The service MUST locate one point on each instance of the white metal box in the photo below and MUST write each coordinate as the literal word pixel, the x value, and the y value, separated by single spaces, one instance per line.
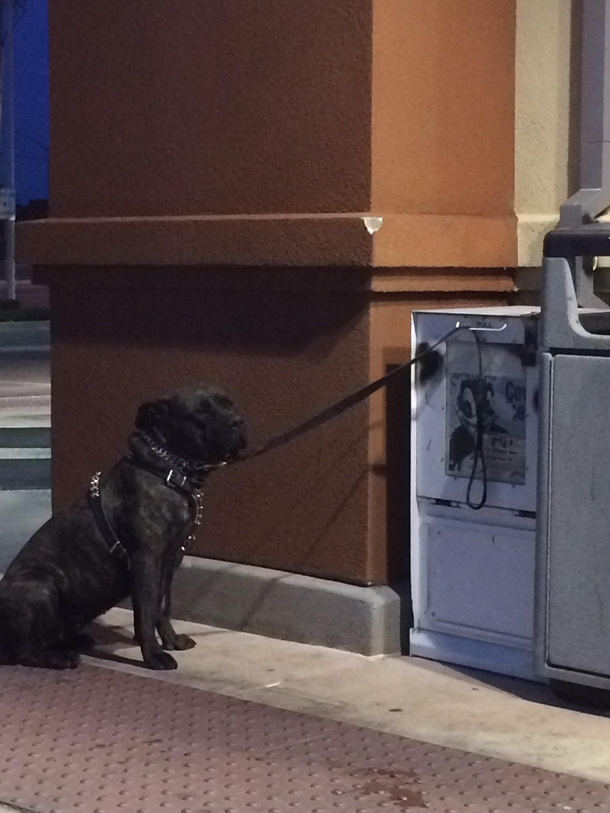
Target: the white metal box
pixel 473 565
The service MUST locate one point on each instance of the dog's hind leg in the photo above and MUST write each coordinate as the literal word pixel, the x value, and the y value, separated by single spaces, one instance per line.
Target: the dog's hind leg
pixel 82 642
pixel 170 639
pixel 30 629
pixel 49 659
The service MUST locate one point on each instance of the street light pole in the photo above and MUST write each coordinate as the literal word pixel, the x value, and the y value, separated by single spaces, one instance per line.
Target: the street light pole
pixel 7 202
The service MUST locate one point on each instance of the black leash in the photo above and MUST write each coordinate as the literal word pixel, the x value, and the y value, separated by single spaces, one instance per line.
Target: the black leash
pixel 343 405
pixel 479 452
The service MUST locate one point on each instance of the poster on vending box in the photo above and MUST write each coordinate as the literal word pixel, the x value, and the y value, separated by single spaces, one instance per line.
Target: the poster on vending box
pixel 502 400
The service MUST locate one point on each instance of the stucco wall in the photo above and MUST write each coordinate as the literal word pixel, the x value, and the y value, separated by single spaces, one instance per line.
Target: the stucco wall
pixel 443 106
pixel 284 354
pixel 220 106
pixel 546 105
pixel 163 112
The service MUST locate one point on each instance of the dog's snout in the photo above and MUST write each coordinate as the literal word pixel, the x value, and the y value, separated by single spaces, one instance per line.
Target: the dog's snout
pixel 239 433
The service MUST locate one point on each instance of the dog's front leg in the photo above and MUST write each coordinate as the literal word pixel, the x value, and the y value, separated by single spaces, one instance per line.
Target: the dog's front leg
pixel 169 637
pixel 146 597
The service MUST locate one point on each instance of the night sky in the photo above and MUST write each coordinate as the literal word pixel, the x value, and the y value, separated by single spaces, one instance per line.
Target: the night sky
pixel 31 101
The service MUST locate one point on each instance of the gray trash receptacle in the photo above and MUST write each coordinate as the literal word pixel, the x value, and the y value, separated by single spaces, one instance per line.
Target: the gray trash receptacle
pixel 572 632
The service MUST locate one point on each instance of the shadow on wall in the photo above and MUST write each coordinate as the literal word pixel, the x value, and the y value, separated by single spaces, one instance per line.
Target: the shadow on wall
pixel 280 317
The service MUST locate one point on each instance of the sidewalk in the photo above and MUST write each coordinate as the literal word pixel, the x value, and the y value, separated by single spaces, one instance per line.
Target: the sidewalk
pixel 253 724
pixel 473 711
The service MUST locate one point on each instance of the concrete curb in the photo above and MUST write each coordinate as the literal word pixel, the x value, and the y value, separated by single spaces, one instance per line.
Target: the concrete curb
pixel 367 620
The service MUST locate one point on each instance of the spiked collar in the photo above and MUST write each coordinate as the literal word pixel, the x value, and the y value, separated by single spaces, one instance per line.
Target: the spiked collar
pixel 180 473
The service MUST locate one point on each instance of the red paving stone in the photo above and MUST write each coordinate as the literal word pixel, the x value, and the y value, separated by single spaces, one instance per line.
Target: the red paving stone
pixel 96 740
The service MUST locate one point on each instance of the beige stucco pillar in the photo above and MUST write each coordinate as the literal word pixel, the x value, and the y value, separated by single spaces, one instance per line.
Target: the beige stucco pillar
pixel 547 120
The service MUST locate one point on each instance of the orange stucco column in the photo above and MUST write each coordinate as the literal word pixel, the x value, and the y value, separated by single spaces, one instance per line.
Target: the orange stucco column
pixel 258 194
pixel 257 133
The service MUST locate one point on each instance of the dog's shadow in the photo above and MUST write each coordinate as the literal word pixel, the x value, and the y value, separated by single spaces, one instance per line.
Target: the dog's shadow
pixel 110 641
pixel 114 642
pixel 110 636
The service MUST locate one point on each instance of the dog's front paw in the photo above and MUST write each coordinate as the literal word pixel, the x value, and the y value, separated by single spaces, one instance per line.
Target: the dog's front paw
pixel 160 660
pixel 179 642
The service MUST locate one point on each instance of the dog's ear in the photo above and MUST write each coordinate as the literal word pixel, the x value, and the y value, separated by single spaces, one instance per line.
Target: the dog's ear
pixel 151 414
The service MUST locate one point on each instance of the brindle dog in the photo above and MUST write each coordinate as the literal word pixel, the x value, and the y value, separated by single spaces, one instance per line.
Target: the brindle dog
pixel 65 575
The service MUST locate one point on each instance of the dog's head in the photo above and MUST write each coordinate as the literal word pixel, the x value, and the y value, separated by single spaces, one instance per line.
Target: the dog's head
pixel 196 423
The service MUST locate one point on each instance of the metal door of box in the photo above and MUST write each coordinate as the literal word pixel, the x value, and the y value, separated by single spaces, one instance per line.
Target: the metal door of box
pixel 579 515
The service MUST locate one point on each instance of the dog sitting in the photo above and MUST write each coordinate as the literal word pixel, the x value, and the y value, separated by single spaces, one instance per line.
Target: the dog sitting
pixel 126 538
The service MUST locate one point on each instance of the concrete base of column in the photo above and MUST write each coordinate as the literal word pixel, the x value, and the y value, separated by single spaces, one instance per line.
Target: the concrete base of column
pixel 368 620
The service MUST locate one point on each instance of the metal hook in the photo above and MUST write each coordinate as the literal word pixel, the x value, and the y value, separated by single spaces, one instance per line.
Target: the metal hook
pixel 484 329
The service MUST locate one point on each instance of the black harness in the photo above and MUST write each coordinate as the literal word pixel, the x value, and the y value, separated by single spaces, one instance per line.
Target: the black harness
pixel 191 488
